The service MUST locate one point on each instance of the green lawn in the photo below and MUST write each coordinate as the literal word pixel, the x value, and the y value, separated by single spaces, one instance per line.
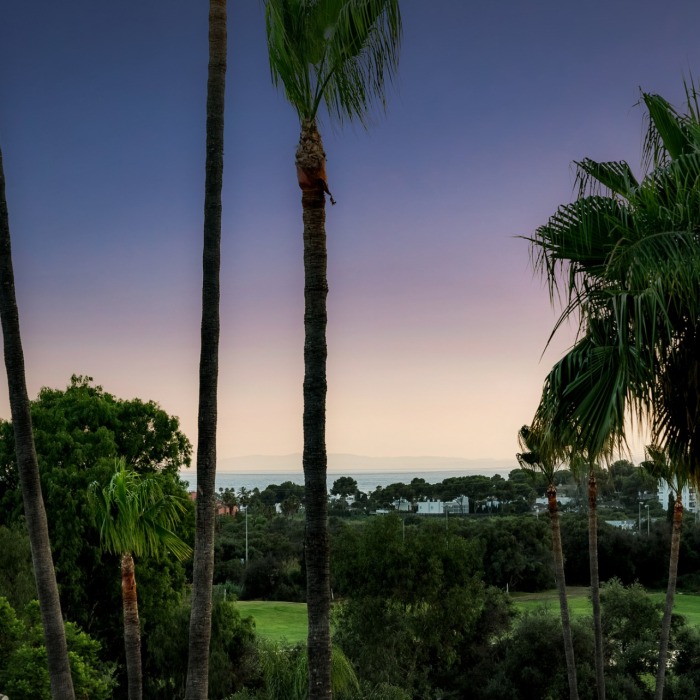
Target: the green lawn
pixel 686 605
pixel 276 620
pixel 287 621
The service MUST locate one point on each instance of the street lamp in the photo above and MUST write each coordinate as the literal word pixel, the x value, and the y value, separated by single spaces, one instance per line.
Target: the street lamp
pixel 640 518
pixel 647 507
pixel 246 536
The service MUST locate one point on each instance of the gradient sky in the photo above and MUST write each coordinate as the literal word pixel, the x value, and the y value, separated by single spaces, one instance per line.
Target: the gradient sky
pixel 436 323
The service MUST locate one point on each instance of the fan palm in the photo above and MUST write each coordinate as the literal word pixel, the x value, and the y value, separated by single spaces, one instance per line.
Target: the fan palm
pixel 337 54
pixel 28 468
pixel 535 459
pixel 625 258
pixel 135 518
pixel 203 568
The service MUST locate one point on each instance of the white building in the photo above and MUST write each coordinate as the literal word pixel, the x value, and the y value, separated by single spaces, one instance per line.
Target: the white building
pixel 431 508
pixel 689 496
pixel 460 506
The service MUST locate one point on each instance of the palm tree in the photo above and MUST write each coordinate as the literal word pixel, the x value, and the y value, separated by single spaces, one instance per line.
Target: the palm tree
pixel 135 517
pixel 536 459
pixel 203 569
pixel 676 476
pixel 626 258
pixel 337 53
pixel 28 468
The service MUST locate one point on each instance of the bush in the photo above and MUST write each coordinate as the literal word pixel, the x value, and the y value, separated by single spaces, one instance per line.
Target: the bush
pixel 232 655
pixel 23 664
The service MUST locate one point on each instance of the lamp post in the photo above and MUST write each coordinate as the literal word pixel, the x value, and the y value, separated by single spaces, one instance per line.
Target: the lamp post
pixel 246 536
pixel 639 529
pixel 647 507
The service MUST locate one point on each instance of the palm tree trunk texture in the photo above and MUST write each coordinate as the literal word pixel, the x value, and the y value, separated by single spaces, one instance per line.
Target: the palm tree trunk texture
pixel 203 568
pixel 44 574
pixel 132 628
pixel 311 175
pixel 670 594
pixel 561 588
pixel 595 583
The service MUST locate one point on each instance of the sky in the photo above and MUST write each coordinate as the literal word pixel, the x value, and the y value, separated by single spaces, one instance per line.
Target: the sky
pixel 437 324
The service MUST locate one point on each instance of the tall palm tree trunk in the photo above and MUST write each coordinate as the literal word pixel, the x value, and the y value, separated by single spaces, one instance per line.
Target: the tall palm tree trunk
pixel 670 594
pixel 27 466
pixel 203 569
pixel 595 583
pixel 132 627
pixel 561 588
pixel 310 163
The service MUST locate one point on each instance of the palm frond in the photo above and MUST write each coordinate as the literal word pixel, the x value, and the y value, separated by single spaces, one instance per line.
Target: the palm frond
pixel 539 455
pixel 666 137
pixel 615 176
pixel 339 52
pixel 571 251
pixel 660 465
pixel 363 54
pixel 585 396
pixel 290 45
pixel 133 514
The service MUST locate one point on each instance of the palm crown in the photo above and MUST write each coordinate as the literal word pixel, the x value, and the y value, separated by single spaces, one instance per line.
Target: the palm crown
pixel 625 257
pixel 134 515
pixel 336 52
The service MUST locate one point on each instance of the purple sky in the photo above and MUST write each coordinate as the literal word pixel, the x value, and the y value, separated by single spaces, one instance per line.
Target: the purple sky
pixel 436 325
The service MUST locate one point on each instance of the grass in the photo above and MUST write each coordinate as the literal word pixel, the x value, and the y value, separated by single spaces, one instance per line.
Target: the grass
pixel 579 604
pixel 277 621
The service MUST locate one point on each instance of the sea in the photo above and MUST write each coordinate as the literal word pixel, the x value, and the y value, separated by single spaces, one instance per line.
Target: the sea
pixel 367 481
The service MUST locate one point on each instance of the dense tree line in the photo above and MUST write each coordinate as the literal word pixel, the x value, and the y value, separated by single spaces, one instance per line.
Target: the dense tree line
pixel 442 581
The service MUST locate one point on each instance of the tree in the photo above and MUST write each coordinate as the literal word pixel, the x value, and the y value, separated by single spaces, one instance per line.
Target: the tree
pixel 79 431
pixel 227 496
pixel 135 517
pixel 55 636
pixel 23 667
pixel 203 570
pixel 337 53
pixel 659 466
pixel 16 576
pixel 415 611
pixel 627 256
pixel 344 486
pixel 233 661
pixel 537 459
pixel 631 627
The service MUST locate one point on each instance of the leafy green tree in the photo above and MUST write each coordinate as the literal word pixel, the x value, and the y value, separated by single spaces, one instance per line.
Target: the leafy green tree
pixel 631 622
pixel 529 662
pixel 228 498
pixel 415 612
pixel 537 458
pixel 28 468
pixel 23 665
pixel 79 432
pixel 233 659
pixel 344 486
pixel 16 576
pixel 203 567
pixel 684 681
pixel 135 517
pixel 337 53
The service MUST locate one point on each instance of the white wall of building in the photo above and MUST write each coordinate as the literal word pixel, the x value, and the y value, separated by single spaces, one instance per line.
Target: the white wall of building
pixel 689 496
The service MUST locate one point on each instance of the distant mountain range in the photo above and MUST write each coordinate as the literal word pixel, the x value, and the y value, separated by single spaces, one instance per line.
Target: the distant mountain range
pixel 338 463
